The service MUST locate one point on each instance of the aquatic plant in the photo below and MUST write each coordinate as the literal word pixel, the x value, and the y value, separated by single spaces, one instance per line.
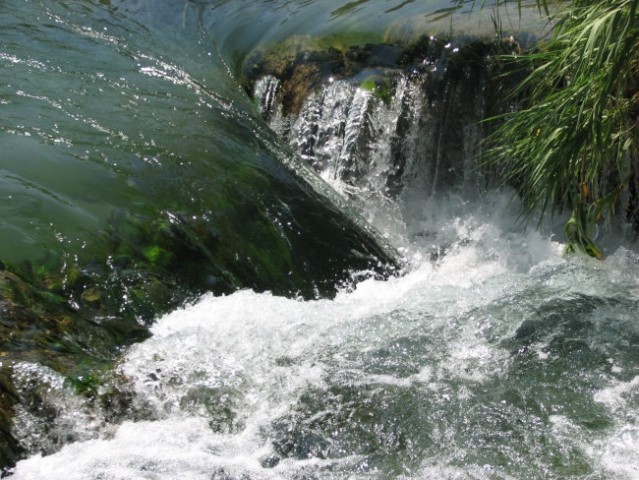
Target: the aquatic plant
pixel 571 143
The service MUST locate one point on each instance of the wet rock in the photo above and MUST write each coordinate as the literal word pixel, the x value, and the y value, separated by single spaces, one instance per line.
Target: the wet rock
pixel 39 325
pixel 433 93
pixel 270 462
pixel 10 450
pixel 35 320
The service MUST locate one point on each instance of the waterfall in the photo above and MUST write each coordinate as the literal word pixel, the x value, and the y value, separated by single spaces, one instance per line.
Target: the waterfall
pixel 358 142
pixel 492 356
pixel 381 132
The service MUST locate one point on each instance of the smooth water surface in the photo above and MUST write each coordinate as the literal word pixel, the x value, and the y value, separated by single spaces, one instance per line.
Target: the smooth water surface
pixel 102 116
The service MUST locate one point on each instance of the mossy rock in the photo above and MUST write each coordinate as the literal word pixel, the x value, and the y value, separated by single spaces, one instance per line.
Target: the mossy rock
pixel 10 450
pixel 302 67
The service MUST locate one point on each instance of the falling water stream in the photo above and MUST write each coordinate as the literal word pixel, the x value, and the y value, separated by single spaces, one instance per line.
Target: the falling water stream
pixel 492 356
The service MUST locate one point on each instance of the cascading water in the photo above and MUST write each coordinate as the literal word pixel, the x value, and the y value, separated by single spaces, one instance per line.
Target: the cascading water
pixel 493 357
pixel 347 135
pixel 501 360
pixel 381 134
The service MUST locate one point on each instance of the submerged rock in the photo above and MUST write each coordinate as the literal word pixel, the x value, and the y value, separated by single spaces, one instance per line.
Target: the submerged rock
pixel 145 180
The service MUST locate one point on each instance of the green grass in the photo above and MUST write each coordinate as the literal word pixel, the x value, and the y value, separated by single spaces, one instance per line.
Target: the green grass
pixel 571 141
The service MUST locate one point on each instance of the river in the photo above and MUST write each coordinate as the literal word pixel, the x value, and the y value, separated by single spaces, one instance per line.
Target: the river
pixel 491 356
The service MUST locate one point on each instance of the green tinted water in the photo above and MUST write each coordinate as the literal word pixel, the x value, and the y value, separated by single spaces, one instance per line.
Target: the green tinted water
pixel 500 360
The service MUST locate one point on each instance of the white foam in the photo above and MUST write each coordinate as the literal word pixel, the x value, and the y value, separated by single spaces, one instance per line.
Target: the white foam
pixel 42 391
pixel 616 396
pixel 621 454
pixel 174 448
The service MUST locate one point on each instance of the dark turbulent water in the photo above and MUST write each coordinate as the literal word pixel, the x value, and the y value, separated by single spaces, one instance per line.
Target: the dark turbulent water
pixel 493 357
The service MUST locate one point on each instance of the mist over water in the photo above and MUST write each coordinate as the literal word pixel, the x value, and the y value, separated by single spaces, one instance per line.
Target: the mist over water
pixel 493 356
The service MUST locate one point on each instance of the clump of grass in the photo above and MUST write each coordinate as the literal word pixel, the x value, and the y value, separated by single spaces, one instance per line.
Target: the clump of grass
pixel 571 143
pixel 574 142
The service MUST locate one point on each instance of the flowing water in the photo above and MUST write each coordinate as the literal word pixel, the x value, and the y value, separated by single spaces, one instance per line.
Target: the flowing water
pixel 501 360
pixel 494 356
